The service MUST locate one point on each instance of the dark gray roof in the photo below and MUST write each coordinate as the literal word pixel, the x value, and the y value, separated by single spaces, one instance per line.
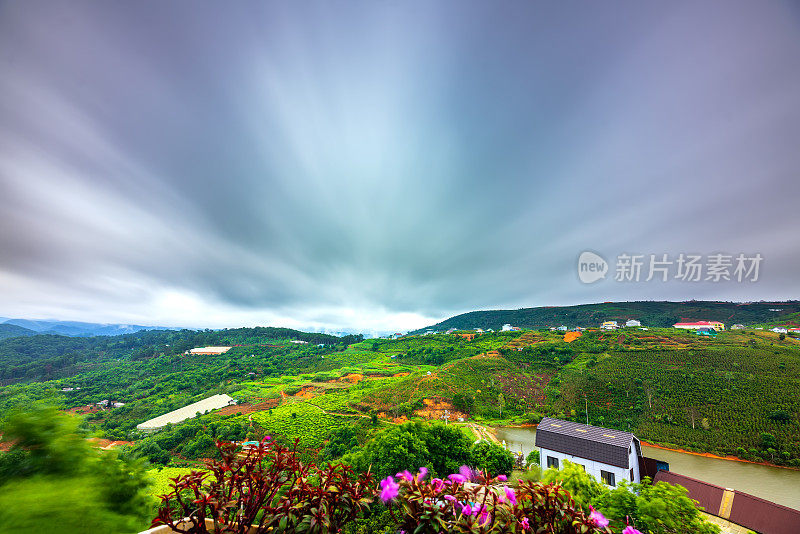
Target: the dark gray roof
pixel 584 441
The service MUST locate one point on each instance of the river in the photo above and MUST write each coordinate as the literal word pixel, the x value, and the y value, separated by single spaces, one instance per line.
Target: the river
pixel 774 484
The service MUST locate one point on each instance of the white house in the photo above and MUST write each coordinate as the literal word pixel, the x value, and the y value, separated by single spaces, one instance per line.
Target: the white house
pixel 609 325
pixel 737 327
pixel 779 330
pixel 633 322
pixel 608 455
pixel 563 328
pixel 507 328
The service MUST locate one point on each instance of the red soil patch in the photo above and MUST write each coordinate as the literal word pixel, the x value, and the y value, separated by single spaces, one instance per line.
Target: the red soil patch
pixel 353 378
pixel 435 409
pixel 400 375
pixel 569 337
pixel 89 408
pixel 249 408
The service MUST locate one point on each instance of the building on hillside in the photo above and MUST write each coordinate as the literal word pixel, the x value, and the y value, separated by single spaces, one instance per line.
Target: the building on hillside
pixel 298 342
pixel 737 327
pixel 710 332
pixel 450 331
pixel 210 351
pixel 780 330
pixel 563 328
pixel 609 455
pixel 507 328
pixel 632 322
pixel 187 412
pixel 479 330
pixel 609 325
pixel 791 331
pixel 716 325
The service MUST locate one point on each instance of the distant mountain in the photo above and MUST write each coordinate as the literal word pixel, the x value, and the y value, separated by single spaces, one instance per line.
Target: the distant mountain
pixel 650 313
pixel 12 330
pixel 78 329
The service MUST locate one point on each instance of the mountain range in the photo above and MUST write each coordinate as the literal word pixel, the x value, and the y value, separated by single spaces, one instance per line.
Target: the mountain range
pixel 29 327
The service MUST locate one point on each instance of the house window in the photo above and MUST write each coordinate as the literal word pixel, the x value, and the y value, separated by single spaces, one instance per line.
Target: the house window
pixel 552 462
pixel 607 478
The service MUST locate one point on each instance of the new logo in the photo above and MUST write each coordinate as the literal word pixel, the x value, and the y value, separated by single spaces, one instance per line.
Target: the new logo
pixel 591 267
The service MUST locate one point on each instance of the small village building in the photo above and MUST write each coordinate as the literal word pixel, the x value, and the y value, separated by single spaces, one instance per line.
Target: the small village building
pixel 716 325
pixel 780 330
pixel 210 351
pixel 632 322
pixel 507 328
pixel 609 325
pixel 791 331
pixel 737 327
pixel 450 331
pixel 710 332
pixel 563 328
pixel 298 342
pixel 609 455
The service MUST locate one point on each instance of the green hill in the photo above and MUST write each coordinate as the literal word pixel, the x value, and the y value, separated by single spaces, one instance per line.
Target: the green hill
pixel 12 330
pixel 650 313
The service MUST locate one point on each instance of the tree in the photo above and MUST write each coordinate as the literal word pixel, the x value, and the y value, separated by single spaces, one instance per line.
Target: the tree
pixel 533 458
pixel 659 508
pixel 60 482
pixel 491 457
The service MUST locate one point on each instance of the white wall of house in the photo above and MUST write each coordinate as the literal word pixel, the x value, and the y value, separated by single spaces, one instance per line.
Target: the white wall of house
pixel 594 468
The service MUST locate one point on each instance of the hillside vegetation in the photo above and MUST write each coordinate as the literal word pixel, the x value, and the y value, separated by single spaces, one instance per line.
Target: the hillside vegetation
pixel 658 314
pixel 733 394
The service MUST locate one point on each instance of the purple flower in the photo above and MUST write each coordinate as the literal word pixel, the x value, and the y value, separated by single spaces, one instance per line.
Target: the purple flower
pixel 502 478
pixel 466 509
pixel 423 472
pixel 389 489
pixel 524 523
pixel 598 518
pixel 484 516
pixel 449 498
pixel 460 479
pixel 511 495
pixel 630 530
pixel 406 475
pixel 437 484
pixel 466 472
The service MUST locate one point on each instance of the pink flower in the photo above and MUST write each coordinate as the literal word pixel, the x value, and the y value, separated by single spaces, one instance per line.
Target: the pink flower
pixel 437 484
pixel 630 530
pixel 449 498
pixel 598 518
pixel 466 509
pixel 484 516
pixel 389 489
pixel 423 472
pixel 502 478
pixel 460 479
pixel 511 495
pixel 406 475
pixel 524 523
pixel 466 472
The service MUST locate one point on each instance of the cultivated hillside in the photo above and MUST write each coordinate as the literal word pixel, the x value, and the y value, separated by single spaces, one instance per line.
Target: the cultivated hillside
pixel 657 314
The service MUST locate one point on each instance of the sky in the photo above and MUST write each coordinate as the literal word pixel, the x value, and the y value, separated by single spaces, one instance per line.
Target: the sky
pixel 380 166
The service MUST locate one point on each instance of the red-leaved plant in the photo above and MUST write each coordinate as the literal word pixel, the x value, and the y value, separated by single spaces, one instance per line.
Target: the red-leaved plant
pixel 264 488
pixel 267 488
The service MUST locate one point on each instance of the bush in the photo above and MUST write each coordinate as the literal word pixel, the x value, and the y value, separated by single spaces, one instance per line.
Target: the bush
pixel 491 457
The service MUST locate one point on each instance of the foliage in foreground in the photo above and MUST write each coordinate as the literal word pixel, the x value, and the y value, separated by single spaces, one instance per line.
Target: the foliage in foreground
pixel 52 480
pixel 267 488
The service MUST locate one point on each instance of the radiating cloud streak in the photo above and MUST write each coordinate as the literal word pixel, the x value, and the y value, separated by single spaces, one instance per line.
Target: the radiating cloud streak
pixel 379 166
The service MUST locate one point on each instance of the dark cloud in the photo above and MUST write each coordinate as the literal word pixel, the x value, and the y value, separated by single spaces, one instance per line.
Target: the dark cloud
pixel 372 165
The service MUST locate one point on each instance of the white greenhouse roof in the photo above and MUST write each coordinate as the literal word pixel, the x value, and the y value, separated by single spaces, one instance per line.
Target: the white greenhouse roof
pixel 187 412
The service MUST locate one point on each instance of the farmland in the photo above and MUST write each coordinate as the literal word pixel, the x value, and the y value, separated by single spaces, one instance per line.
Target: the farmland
pixel 733 394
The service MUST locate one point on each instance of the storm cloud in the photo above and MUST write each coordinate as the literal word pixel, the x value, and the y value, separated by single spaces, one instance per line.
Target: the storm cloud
pixel 376 165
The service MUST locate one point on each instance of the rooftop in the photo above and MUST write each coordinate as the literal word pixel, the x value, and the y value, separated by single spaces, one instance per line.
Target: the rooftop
pixel 585 441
